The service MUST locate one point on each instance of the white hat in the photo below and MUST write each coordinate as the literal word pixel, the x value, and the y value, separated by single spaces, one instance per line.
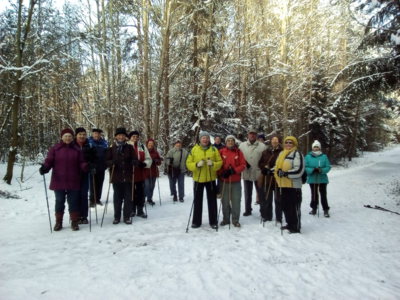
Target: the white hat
pixel 203 133
pixel 230 137
pixel 316 144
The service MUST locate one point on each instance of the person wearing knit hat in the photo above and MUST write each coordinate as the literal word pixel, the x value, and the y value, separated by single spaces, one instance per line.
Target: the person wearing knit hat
pixel 218 142
pixel 317 167
pixel 231 190
pixel 143 162
pixel 288 170
pixel 99 145
pixel 121 130
pixel 152 173
pixel 67 162
pixel 268 190
pixel 252 150
pixel 175 167
pixel 204 161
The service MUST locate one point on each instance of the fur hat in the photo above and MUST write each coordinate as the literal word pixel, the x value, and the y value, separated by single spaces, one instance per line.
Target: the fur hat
pixel 135 132
pixel 67 130
pixel 203 133
pixel 120 130
pixel 316 144
pixel 79 129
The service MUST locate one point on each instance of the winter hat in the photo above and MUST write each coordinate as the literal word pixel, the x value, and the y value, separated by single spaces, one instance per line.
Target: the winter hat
pixel 203 133
pixel 230 137
pixel 135 132
pixel 79 129
pixel 67 130
pixel 261 136
pixel 293 139
pixel 150 140
pixel 177 141
pixel 252 130
pixel 316 144
pixel 97 130
pixel 120 130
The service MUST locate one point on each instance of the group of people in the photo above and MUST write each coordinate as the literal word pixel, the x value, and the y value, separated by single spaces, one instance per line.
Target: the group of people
pixel 275 171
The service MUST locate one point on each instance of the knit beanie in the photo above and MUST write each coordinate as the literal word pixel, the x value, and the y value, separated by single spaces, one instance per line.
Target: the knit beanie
pixel 316 144
pixel 135 132
pixel 203 133
pixel 67 130
pixel 79 129
pixel 230 137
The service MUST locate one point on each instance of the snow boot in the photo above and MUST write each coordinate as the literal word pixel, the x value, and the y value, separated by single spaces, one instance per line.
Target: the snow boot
pixel 236 224
pixel 181 200
pixel 116 221
pixel 326 214
pixel 74 220
pixel 175 198
pixel 128 221
pixel 223 223
pixel 151 202
pixel 59 220
pixel 141 213
pixel 313 212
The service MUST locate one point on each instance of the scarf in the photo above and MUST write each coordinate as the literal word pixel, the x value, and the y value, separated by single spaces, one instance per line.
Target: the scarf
pixel 316 153
pixel 285 165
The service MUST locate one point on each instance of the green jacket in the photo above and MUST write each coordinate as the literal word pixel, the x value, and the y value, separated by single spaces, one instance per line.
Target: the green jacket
pixel 320 161
pixel 205 173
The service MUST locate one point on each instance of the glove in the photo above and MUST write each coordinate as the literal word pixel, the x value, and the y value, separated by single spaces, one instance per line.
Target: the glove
pixel 142 164
pixel 282 173
pixel 248 165
pixel 317 170
pixel 228 173
pixel 136 162
pixel 209 162
pixel 43 170
pixel 266 171
pixel 200 163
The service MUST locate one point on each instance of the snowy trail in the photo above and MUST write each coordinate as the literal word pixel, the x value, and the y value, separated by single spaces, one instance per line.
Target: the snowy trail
pixel 353 255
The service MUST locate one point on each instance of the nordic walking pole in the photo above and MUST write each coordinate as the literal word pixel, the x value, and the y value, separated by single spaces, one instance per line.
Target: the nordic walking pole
pixel 222 193
pixel 108 194
pixel 47 200
pixel 269 189
pixel 212 187
pixel 133 191
pixel 95 197
pixel 195 192
pixel 159 194
pixel 230 200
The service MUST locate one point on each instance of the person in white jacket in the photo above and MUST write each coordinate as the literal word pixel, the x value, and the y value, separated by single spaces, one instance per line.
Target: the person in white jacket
pixel 252 151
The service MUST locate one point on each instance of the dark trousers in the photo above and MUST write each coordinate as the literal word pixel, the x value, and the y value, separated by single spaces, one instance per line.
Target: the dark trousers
pixel 138 197
pixel 97 186
pixel 266 202
pixel 314 195
pixel 291 203
pixel 211 191
pixel 122 194
pixel 248 194
pixel 173 180
pixel 71 196
pixel 83 196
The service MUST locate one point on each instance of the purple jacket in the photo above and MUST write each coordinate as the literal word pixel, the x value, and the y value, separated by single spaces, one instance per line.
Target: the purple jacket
pixel 67 163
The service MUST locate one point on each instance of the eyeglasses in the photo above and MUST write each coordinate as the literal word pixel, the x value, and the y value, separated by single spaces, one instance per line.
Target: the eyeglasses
pixel 289 142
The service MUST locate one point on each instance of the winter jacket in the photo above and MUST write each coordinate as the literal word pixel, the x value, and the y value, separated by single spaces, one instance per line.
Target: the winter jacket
pixel 205 173
pixel 294 166
pixel 317 161
pixel 67 162
pixel 267 160
pixel 120 162
pixel 178 158
pixel 156 161
pixel 232 158
pixel 89 153
pixel 144 156
pixel 252 153
pixel 219 146
pixel 100 147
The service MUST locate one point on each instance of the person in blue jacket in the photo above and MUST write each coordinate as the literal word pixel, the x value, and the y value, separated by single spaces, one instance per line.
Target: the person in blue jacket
pixel 317 167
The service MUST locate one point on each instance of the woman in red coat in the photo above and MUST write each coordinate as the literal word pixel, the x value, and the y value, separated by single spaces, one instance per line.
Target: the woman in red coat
pixel 231 189
pixel 151 173
pixel 67 162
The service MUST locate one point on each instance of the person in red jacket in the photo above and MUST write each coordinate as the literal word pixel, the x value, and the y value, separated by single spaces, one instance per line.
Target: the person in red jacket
pixel 151 173
pixel 144 161
pixel 67 162
pixel 231 189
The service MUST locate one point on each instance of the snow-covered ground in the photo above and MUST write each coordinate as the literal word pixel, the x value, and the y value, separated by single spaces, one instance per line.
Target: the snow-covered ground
pixel 353 255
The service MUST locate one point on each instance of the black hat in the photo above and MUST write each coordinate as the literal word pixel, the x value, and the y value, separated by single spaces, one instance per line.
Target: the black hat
pixel 120 130
pixel 79 129
pixel 135 132
pixel 97 130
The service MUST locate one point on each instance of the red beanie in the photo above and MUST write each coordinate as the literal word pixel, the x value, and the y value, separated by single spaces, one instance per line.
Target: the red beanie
pixel 67 130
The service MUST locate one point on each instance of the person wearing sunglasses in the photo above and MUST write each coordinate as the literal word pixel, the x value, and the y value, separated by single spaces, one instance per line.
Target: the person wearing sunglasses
pixel 288 170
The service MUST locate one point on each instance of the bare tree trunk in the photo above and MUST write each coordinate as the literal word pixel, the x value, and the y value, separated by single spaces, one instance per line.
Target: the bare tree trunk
pixel 20 42
pixel 146 100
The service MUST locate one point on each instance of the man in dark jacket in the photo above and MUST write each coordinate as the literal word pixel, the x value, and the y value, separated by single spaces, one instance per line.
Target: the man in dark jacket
pixel 120 158
pixel 100 145
pixel 266 182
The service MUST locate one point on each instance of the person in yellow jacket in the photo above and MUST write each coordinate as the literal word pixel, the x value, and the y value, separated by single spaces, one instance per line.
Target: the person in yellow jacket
pixel 204 161
pixel 289 168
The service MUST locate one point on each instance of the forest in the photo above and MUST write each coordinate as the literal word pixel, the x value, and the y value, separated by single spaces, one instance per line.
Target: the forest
pixel 315 69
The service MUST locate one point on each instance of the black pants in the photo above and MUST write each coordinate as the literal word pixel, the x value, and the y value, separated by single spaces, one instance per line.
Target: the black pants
pixel 266 203
pixel 314 195
pixel 291 203
pixel 211 190
pixel 96 186
pixel 248 194
pixel 122 194
pixel 138 197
